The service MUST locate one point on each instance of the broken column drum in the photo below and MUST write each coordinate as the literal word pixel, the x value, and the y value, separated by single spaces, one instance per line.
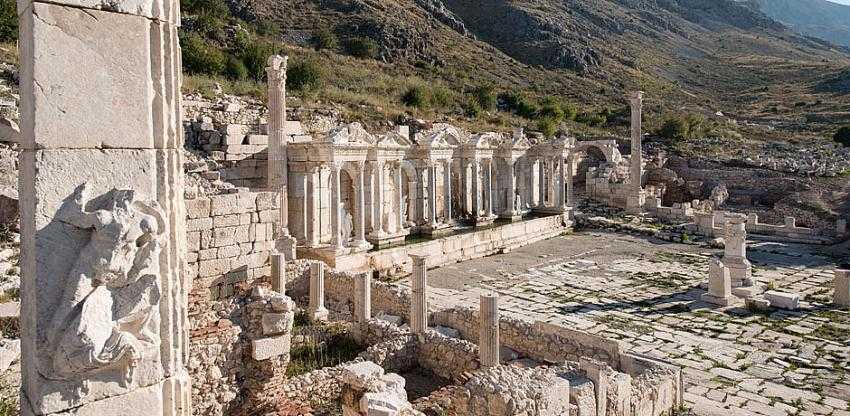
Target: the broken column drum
pixel 316 309
pixel 104 319
pixel 419 299
pixel 488 338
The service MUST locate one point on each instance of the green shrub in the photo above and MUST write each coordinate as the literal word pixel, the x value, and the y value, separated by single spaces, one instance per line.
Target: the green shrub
pixel 209 25
pixel 551 111
pixel 593 120
pixel 472 108
pixel 519 104
pixel 255 56
pixel 485 97
pixel 235 69
pixel 265 27
pixel 441 97
pixel 214 8
pixel 361 47
pixel 415 96
pixel 199 57
pixel 304 76
pixel 8 21
pixel 674 129
pixel 323 38
pixel 842 136
pixel 547 126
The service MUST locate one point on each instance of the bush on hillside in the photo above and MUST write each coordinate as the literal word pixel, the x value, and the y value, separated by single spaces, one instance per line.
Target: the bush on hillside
pixel 547 126
pixel 678 128
pixel 361 47
pixel 842 136
pixel 323 38
pixel 235 69
pixel 8 21
pixel 591 119
pixel 200 57
pixel 213 8
pixel 416 97
pixel 485 96
pixel 518 104
pixel 304 76
pixel 255 56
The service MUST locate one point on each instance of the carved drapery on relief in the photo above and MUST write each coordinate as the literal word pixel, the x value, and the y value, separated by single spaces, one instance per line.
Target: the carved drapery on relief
pixel 107 314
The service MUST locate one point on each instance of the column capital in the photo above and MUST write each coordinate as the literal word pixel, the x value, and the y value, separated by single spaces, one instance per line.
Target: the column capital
pixel 276 69
pixel 636 98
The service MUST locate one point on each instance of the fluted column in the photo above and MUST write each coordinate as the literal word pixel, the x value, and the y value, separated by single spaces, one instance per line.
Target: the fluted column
pixel 476 189
pixel 447 190
pixel 278 272
pixel 316 309
pixel 541 165
pixel 400 194
pixel 422 202
pixel 363 296
pixel 378 198
pixel 419 299
pixel 360 192
pixel 511 207
pixel 277 163
pixel 569 201
pixel 432 194
pixel 561 185
pixel 488 338
pixel 636 102
pixel 312 197
pixel 489 187
pixel 336 210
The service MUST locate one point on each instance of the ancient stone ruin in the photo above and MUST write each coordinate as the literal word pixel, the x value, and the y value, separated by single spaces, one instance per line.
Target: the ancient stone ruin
pixel 143 294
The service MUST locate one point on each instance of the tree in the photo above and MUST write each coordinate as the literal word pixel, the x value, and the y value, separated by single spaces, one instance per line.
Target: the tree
pixel 485 97
pixel 199 57
pixel 304 76
pixel 8 21
pixel 415 96
pixel 362 47
pixel 323 38
pixel 842 136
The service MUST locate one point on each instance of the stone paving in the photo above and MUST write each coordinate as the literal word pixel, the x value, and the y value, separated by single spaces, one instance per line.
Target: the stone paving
pixel 646 292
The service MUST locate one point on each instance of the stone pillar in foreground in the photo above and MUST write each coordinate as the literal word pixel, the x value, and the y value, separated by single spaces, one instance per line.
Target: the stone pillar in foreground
pixel 419 298
pixel 316 309
pixel 735 252
pixel 719 284
pixel 103 291
pixel 488 338
pixel 842 288
pixel 363 297
pixel 634 203
pixel 278 273
pixel 278 180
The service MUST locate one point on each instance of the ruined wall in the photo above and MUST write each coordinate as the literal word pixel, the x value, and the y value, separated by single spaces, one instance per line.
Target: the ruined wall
pixel 228 242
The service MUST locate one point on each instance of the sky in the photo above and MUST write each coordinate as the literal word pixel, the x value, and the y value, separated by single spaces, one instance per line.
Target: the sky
pixel 847 2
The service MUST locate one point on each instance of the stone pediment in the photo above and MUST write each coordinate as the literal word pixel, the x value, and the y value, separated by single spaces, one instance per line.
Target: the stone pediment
pixel 485 140
pixel 350 135
pixel 442 136
pixel 392 139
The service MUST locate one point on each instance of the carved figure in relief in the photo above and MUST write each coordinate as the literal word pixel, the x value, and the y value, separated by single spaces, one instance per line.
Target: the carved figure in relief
pixel 111 293
pixel 346 225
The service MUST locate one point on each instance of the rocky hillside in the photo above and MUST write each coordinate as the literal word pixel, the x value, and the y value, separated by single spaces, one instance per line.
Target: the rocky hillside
pixel 700 55
pixel 819 18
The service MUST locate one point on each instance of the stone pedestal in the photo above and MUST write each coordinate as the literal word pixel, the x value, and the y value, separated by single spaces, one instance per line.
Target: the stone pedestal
pixel 316 310
pixel 278 273
pixel 735 252
pixel 363 297
pixel 419 298
pixel 719 285
pixel 488 337
pixel 103 293
pixel 842 288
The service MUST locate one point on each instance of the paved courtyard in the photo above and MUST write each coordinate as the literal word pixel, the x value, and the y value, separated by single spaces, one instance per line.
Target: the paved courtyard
pixel 645 291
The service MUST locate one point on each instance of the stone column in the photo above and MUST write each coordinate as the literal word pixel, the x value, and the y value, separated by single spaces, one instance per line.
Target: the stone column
pixel 363 297
pixel 550 183
pixel 278 273
pixel 569 200
pixel 432 193
pixel 336 211
pixel 636 101
pixel 400 189
pixel 277 163
pixel 488 337
pixel 447 190
pixel 316 309
pixel 420 183
pixel 360 192
pixel 102 165
pixel 419 298
pixel 476 190
pixel 489 187
pixel 735 251
pixel 562 200
pixel 842 288
pixel 378 199
pixel 311 195
pixel 541 164
pixel 510 195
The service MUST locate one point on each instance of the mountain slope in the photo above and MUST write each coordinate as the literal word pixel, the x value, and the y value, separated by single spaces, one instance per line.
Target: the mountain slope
pixel 819 18
pixel 701 55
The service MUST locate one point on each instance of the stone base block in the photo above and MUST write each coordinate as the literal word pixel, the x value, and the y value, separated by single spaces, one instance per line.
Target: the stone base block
pixel 783 300
pixel 387 240
pixel 318 315
pixel 747 292
pixel 286 246
pixel 485 221
pixel 512 217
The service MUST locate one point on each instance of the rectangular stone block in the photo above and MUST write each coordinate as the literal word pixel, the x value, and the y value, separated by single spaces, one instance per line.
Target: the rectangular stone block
pixel 198 208
pixel 271 347
pixel 783 300
pixel 842 288
pixel 87 106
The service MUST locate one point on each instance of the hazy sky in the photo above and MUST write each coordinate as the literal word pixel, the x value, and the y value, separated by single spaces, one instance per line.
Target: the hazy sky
pixel 847 2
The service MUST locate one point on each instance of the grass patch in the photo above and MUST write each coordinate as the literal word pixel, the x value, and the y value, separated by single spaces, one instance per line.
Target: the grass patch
pixel 622 324
pixel 339 347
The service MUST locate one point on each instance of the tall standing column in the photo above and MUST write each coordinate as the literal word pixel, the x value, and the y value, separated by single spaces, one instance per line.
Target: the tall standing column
pixel 511 208
pixel 568 200
pixel 336 211
pixel 476 190
pixel 488 337
pixel 378 200
pixel 277 159
pixel 399 186
pixel 419 299
pixel 561 186
pixel 316 309
pixel 432 193
pixel 550 183
pixel 490 187
pixel 104 324
pixel 360 231
pixel 447 190
pixel 311 195
pixel 541 172
pixel 422 203
pixel 841 283
pixel 636 101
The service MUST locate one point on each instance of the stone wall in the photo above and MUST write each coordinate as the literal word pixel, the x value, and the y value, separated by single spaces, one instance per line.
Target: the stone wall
pixel 229 237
